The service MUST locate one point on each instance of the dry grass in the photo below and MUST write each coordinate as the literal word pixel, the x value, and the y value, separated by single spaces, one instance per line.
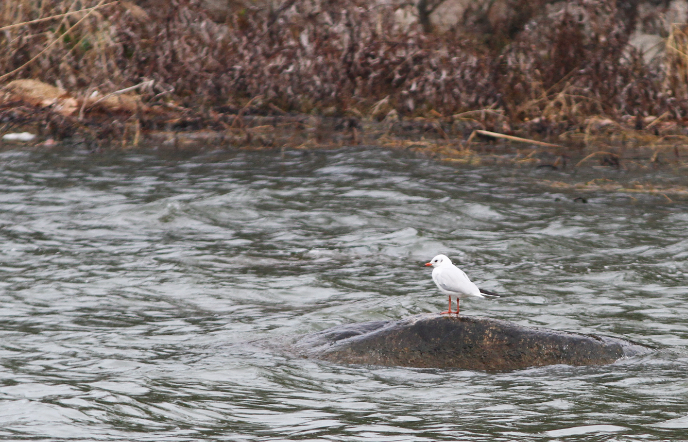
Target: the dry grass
pixel 570 79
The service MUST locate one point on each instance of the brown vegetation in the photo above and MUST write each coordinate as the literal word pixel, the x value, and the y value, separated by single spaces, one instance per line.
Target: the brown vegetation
pixel 569 77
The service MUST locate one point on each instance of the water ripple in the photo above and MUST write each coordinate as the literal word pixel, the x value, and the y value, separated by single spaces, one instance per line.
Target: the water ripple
pixel 139 292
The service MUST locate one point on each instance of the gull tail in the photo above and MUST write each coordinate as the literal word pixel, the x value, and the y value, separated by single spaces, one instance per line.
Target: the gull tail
pixel 489 293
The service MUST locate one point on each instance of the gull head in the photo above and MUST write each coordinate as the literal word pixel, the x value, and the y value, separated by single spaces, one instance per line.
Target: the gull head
pixel 439 260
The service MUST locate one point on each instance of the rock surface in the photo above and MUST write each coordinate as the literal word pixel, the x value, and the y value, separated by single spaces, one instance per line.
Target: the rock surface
pixel 465 342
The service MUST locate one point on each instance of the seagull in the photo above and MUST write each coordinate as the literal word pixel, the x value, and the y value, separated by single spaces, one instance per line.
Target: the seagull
pixel 451 280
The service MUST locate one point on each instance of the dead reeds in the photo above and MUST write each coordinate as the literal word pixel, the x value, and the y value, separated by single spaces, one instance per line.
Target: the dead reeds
pixel 555 80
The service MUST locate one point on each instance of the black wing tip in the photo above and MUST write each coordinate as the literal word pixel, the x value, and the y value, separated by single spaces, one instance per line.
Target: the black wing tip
pixel 489 293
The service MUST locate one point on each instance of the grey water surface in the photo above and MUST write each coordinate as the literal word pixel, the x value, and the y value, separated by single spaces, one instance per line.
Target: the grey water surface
pixel 147 296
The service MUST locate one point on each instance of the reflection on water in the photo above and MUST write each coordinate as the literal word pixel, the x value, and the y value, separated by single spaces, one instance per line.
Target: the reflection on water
pixel 134 284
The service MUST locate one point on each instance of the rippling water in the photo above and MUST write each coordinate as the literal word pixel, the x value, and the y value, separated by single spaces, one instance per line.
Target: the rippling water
pixel 136 285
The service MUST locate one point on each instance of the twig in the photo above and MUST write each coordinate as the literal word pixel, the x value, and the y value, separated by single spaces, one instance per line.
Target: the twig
pixel 470 139
pixel 239 116
pixel 83 104
pixel 592 155
pixel 122 91
pixel 167 92
pixel 512 138
pixel 656 120
pixel 52 17
pixel 137 134
pixel 275 108
pixel 460 115
pixel 98 6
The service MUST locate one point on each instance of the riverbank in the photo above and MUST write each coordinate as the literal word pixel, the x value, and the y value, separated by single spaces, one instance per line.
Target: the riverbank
pixel 566 90
pixel 55 117
pixel 563 69
pixel 631 163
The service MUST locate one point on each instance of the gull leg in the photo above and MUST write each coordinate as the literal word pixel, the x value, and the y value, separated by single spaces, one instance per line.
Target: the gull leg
pixel 448 312
pixel 457 306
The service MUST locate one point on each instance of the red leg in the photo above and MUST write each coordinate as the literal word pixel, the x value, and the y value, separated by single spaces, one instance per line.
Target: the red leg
pixel 448 312
pixel 457 306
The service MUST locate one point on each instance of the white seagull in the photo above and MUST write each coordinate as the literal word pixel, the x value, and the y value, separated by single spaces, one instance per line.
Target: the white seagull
pixel 451 280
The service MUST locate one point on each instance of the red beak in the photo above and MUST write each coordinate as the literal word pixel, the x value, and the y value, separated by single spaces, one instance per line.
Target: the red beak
pixel 428 264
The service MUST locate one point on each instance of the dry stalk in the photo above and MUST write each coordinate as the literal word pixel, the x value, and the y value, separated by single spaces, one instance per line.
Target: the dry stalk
pixel 498 113
pixel 513 138
pixel 239 116
pixel 98 6
pixel 53 17
pixel 677 57
pixel 593 155
pixel 145 84
pixel 657 120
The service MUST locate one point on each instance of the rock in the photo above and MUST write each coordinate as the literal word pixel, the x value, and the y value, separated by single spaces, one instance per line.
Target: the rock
pixel 464 342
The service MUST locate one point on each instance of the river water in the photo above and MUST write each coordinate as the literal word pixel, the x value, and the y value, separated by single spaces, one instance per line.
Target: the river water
pixel 139 291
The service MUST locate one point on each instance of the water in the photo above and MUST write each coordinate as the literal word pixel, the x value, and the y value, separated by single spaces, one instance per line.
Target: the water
pixel 139 291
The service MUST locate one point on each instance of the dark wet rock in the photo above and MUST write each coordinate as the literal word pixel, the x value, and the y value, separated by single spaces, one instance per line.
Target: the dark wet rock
pixel 465 342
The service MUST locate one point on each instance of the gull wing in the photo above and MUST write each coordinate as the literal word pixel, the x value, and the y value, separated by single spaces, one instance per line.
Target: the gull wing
pixel 453 279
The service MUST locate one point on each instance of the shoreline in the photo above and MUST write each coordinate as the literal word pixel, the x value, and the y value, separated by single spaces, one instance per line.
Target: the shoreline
pixel 599 140
pixel 612 158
